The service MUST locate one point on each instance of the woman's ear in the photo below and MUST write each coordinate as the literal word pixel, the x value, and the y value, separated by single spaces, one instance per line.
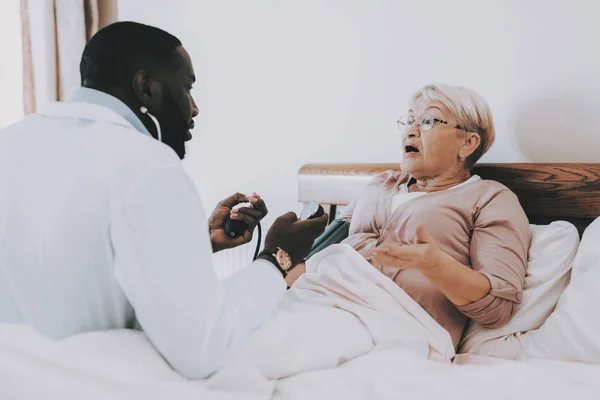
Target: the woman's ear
pixel 147 90
pixel 470 144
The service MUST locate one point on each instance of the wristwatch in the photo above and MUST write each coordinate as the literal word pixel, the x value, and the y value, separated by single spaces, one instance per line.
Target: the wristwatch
pixel 281 258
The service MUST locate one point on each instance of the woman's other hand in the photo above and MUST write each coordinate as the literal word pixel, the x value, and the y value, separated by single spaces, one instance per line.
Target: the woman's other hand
pixel 458 282
pixel 423 254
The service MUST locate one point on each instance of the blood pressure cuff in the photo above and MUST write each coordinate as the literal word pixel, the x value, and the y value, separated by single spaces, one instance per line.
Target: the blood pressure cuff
pixel 334 234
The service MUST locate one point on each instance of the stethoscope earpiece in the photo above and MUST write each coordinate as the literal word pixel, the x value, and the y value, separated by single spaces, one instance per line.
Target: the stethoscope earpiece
pixel 144 110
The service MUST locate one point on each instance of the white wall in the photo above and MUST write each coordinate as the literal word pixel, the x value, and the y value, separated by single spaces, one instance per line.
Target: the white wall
pixel 282 83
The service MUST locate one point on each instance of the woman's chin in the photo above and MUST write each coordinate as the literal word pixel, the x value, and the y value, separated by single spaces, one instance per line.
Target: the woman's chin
pixel 410 166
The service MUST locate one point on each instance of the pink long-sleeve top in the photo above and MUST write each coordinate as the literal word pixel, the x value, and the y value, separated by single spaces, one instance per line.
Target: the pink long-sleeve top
pixel 481 224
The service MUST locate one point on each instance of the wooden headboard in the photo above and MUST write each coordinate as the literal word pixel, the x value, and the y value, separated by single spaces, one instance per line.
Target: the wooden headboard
pixel 548 192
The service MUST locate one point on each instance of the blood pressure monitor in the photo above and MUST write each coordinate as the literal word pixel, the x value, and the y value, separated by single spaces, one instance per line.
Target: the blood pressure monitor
pixel 311 210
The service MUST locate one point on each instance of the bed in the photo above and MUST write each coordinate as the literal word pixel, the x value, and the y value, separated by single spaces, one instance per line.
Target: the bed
pixel 301 355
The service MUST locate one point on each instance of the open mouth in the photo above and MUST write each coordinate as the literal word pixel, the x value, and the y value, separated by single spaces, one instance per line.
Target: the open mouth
pixel 410 149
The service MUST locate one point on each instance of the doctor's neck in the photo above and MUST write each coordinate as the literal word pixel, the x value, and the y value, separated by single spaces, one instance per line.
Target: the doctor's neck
pixel 129 100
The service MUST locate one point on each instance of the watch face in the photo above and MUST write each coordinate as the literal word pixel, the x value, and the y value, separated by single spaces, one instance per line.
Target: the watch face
pixel 309 210
pixel 283 259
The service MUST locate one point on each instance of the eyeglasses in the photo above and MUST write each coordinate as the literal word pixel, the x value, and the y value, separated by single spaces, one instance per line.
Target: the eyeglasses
pixel 424 122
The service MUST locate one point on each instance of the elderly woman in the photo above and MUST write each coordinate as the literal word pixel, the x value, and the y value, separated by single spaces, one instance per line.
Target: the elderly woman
pixel 457 244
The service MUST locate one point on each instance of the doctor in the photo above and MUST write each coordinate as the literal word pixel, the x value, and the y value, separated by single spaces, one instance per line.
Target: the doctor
pixel 101 228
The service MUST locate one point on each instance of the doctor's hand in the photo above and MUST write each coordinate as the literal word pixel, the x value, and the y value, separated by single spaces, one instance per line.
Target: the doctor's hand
pixel 423 254
pixel 249 215
pixel 294 236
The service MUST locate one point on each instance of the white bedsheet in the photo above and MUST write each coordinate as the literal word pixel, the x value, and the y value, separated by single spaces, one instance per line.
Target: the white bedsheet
pixel 344 331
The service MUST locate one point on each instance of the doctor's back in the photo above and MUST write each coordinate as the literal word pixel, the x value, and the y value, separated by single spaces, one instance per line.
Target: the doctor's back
pixel 62 173
pixel 91 204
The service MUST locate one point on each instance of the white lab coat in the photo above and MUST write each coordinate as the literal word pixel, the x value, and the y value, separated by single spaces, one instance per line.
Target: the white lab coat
pixel 101 228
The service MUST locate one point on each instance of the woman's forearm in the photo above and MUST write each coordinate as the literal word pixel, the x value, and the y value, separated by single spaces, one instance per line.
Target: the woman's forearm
pixel 459 283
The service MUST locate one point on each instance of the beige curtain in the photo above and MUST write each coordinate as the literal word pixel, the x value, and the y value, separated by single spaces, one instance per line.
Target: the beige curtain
pixel 54 35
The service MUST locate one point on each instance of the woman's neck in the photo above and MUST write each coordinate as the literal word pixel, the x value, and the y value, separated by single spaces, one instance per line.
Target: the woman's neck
pixel 438 183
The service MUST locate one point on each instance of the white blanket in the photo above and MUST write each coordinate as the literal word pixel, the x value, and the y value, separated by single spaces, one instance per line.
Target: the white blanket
pixel 343 331
pixel 342 308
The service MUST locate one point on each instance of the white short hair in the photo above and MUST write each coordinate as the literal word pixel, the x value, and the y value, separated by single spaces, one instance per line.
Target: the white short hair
pixel 468 108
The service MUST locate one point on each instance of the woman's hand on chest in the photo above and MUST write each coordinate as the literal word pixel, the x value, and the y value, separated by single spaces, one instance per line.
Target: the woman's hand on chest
pixel 422 254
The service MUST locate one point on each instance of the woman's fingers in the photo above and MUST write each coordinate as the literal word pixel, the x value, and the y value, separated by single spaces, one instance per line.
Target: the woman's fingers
pixel 402 252
pixel 382 259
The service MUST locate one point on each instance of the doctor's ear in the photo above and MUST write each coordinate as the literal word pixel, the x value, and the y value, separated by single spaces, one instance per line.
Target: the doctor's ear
pixel 147 90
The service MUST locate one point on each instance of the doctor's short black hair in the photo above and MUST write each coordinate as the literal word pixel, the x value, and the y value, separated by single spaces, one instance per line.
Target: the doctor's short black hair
pixel 116 52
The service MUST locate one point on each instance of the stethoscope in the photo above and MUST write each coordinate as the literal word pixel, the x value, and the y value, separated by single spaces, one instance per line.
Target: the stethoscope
pixel 144 110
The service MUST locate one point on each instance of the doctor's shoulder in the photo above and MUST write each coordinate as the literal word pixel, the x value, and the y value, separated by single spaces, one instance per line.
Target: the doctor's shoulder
pixel 130 156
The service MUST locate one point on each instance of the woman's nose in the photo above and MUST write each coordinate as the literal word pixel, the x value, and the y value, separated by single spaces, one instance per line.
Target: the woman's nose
pixel 412 132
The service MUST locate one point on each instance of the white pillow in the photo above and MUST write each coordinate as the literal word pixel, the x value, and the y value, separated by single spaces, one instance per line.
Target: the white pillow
pixel 551 254
pixel 572 332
